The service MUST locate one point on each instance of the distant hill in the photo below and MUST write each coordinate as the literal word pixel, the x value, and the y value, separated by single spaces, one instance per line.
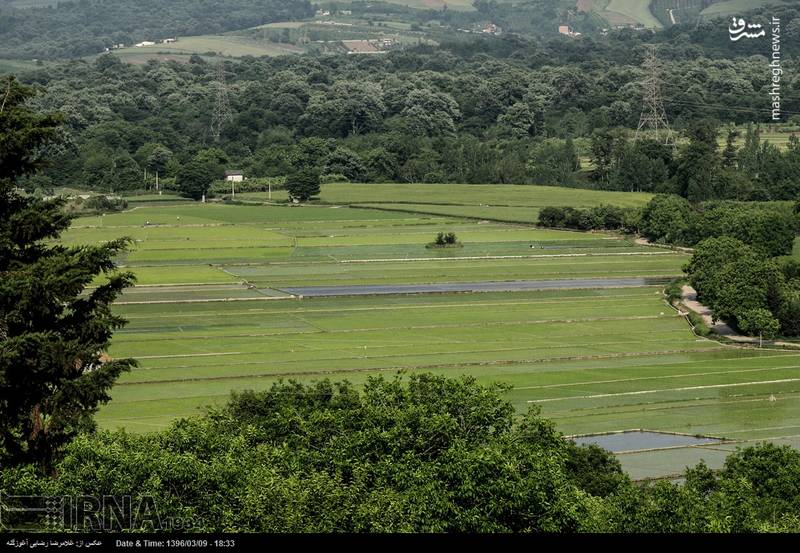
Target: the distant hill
pixel 71 29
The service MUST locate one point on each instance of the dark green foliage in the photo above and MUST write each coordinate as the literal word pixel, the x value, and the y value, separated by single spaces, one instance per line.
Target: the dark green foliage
pixel 444 240
pixel 595 470
pixel 22 133
pixel 194 178
pixel 472 110
pixel 604 217
pixel 73 29
pixel 758 322
pixel 746 288
pixel 768 228
pixel 674 291
pixel 346 162
pixel 430 454
pixel 426 454
pixel 709 258
pixel 53 328
pixel 698 324
pixel 104 204
pixel 667 218
pixel 771 472
pixel 303 184
pixel 555 163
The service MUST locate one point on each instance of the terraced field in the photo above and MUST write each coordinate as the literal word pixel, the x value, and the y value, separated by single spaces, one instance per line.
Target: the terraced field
pixel 212 314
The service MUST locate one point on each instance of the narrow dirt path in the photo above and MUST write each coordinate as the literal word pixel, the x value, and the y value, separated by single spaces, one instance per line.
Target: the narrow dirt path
pixel 641 241
pixel 689 299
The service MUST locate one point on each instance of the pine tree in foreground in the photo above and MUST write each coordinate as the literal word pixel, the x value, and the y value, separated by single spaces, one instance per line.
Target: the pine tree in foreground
pixel 55 324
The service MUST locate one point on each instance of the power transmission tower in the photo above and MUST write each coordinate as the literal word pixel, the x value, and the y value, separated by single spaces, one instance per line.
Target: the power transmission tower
pixel 654 117
pixel 222 108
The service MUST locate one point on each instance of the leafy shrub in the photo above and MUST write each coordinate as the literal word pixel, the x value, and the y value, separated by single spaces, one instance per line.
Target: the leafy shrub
pixel 699 325
pixel 104 204
pixel 445 240
pixel 333 177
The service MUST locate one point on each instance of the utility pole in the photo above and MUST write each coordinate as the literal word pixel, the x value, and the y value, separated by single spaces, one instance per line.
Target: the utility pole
pixel 222 108
pixel 654 117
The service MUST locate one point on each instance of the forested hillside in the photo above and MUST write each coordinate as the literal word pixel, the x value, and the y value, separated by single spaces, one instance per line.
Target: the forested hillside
pixel 495 110
pixel 72 29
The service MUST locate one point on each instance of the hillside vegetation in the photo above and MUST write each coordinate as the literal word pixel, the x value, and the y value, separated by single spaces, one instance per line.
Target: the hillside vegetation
pixel 73 29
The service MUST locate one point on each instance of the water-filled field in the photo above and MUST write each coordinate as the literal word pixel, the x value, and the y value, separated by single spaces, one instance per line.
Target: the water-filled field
pixel 213 312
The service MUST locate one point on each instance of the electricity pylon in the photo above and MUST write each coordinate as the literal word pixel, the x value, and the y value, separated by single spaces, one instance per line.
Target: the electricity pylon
pixel 654 117
pixel 222 107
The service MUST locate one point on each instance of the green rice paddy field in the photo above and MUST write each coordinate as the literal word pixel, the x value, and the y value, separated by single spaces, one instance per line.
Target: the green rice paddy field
pixel 209 316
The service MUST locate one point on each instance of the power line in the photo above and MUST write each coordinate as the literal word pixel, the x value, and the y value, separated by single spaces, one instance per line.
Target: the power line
pixel 654 117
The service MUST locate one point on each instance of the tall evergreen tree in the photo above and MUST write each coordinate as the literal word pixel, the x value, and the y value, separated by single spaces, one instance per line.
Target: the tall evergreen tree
pixel 54 326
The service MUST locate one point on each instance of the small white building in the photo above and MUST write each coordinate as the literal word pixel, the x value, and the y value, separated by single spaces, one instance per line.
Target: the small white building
pixel 234 175
pixel 145 43
pixel 567 30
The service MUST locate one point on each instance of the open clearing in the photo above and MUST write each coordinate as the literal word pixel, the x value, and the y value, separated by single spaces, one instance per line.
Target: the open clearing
pixel 463 5
pixel 737 7
pixel 211 315
pixel 228 45
pixel 637 10
pixel 498 202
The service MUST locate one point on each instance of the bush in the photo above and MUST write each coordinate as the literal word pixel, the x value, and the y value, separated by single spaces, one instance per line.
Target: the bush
pixel 104 204
pixel 698 324
pixel 604 217
pixel 333 177
pixel 445 240
pixel 674 291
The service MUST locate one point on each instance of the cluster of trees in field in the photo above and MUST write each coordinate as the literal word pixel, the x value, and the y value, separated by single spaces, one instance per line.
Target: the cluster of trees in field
pixel 492 110
pixel 742 266
pixel 603 217
pixel 87 27
pixel 698 170
pixel 768 227
pixel 747 287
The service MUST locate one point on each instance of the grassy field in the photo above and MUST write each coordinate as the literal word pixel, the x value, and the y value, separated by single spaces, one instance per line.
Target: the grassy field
pixel 229 45
pixel 462 5
pixel 638 10
pixel 10 66
pixel 209 315
pixel 508 203
pixel 737 7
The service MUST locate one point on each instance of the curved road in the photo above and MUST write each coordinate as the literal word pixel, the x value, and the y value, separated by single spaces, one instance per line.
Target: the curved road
pixel 487 286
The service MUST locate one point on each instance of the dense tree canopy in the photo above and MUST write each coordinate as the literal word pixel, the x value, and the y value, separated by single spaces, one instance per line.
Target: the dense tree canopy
pixel 424 454
pixel 506 109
